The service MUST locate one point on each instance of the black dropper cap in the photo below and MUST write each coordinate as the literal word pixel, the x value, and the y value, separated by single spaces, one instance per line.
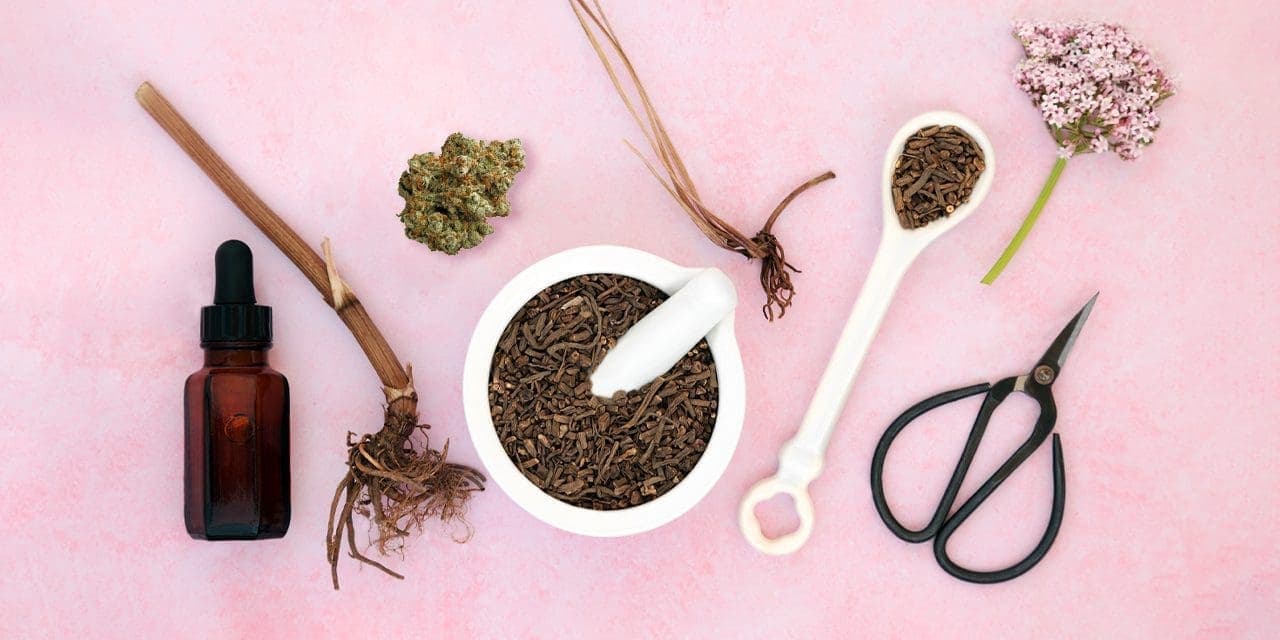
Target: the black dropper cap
pixel 234 316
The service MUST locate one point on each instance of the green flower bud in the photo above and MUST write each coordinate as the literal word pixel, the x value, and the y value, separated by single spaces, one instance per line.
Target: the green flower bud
pixel 447 196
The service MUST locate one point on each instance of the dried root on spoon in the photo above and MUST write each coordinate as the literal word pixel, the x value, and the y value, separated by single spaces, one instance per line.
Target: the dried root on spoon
pixel 935 174
pixel 394 482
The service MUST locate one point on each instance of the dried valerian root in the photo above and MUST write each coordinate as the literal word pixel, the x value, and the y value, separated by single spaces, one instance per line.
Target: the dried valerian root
pixel 397 486
pixel 775 278
pixel 580 449
pixel 935 174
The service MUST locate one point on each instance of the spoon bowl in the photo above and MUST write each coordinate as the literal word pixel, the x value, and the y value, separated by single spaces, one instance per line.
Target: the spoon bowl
pixel 921 237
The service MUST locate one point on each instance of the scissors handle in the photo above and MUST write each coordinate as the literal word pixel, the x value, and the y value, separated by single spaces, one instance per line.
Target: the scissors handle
pixel 941 527
pixel 882 451
pixel 967 509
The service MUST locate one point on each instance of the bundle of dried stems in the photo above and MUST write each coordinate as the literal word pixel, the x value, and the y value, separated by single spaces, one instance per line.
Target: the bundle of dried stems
pixel 774 276
pixel 389 480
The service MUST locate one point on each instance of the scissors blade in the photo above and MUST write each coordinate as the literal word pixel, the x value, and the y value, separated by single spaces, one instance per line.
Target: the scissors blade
pixel 1061 347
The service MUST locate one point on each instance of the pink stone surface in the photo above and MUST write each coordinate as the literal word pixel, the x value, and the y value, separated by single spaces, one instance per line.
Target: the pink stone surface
pixel 1168 407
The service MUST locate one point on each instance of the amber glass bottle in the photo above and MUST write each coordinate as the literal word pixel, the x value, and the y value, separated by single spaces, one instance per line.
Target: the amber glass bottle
pixel 237 415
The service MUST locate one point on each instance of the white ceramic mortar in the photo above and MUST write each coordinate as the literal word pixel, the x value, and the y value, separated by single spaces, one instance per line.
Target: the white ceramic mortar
pixel 643 266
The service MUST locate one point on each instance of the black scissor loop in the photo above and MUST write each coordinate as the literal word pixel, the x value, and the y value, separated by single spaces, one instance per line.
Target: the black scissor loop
pixel 882 450
pixel 942 525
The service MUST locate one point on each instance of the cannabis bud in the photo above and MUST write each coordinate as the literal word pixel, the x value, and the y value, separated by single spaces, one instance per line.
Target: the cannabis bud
pixel 447 196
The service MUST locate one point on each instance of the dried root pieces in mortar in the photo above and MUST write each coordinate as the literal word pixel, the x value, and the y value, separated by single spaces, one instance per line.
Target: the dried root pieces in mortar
pixel 575 447
pixel 774 276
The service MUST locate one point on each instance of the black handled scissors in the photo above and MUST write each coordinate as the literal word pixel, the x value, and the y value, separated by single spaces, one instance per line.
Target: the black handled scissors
pixel 1037 384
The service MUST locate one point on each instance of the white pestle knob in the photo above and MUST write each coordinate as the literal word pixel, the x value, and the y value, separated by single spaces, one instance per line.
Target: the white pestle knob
pixel 658 341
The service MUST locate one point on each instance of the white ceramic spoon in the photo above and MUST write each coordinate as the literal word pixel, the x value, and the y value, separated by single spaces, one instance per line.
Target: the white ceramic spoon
pixel 801 458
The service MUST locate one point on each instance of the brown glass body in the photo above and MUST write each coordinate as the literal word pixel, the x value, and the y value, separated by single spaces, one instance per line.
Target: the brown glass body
pixel 237 446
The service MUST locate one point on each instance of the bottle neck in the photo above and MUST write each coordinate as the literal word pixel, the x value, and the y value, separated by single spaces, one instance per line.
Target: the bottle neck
pixel 236 355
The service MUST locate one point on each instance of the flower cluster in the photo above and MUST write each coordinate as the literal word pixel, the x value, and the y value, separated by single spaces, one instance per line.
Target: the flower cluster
pixel 1096 87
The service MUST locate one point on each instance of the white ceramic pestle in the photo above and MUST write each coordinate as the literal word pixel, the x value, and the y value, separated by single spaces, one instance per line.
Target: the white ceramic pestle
pixel 658 341
pixel 801 458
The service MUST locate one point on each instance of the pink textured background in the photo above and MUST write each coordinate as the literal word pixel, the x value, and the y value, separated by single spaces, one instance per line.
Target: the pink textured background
pixel 1168 406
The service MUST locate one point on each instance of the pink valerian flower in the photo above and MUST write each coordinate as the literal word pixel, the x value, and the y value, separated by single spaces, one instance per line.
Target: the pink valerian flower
pixel 1097 89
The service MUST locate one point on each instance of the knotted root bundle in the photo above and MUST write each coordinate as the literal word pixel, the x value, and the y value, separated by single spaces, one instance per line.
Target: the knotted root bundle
pixel 396 485
pixel 775 276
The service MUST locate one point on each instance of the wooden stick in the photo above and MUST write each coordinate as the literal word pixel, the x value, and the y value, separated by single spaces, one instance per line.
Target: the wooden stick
pixel 353 314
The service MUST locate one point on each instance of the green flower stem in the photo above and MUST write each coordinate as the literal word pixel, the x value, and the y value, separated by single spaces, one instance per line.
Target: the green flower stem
pixel 1027 223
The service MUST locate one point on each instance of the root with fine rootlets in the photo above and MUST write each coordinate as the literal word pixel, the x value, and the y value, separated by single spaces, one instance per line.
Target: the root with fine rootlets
pixel 674 176
pixel 396 486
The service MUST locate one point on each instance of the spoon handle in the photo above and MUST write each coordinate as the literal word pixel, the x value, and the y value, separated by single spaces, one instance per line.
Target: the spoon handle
pixel 800 460
pixel 833 388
